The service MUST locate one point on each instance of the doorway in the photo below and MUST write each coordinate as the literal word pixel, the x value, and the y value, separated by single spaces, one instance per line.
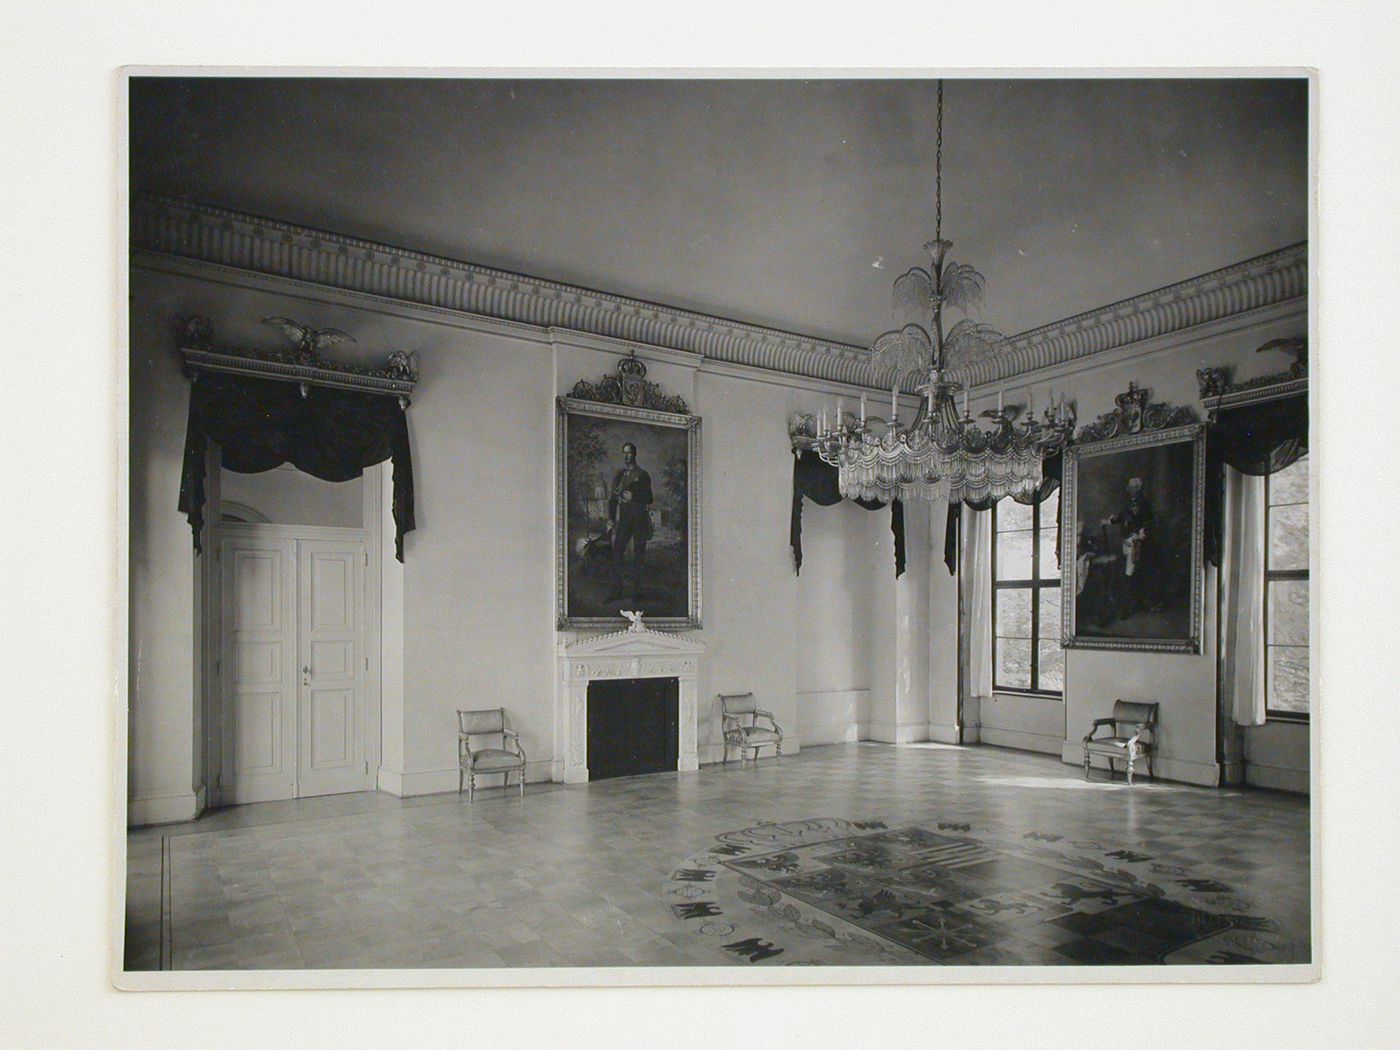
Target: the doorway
pixel 293 660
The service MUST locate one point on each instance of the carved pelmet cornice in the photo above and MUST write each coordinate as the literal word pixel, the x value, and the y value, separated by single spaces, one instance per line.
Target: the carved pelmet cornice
pixel 167 226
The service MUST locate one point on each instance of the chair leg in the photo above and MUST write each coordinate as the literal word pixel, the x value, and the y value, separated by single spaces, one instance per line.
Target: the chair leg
pixel 471 787
pixel 1086 765
pixel 1130 771
pixel 459 779
pixel 522 781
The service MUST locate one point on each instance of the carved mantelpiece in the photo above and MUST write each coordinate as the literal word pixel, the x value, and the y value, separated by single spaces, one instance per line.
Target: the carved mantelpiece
pixel 632 653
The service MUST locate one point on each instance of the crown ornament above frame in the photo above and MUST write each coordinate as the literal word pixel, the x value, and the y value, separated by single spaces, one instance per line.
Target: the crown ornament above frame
pixel 1136 412
pixel 630 387
pixel 303 364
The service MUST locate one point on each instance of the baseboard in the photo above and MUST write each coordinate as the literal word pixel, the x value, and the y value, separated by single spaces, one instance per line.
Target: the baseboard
pixel 897 733
pixel 1278 778
pixel 1020 739
pixel 1165 767
pixel 175 807
pixel 437 781
pixel 829 733
pixel 948 734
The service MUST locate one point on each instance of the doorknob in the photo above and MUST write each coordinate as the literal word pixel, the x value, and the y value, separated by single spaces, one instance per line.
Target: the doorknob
pixel 306 675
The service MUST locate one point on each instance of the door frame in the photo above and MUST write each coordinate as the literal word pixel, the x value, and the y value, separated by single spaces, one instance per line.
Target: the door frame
pixel 373 638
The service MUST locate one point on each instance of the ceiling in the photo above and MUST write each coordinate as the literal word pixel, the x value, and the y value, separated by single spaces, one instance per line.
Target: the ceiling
pixel 788 203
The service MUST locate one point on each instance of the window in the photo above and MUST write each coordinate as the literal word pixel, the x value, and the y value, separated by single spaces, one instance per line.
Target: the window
pixel 1026 653
pixel 1286 594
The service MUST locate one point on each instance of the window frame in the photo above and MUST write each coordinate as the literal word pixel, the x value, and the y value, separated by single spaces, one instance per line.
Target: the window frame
pixel 1034 585
pixel 1272 576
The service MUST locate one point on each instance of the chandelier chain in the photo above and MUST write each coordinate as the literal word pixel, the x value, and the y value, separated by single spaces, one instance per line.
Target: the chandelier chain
pixel 938 172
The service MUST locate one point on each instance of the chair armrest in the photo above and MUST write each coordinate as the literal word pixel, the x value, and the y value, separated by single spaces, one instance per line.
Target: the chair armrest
pixel 1098 723
pixel 1141 727
pixel 464 745
pixel 771 720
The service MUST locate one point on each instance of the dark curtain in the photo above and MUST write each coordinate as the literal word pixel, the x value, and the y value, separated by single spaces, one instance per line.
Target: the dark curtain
pixel 1051 471
pixel 817 481
pixel 330 434
pixel 1255 439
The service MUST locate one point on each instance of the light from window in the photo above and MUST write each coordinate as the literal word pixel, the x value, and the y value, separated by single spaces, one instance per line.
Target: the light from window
pixel 1286 593
pixel 1026 653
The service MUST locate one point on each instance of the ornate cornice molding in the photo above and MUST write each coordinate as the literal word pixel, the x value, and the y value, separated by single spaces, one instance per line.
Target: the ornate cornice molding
pixel 173 227
pixel 167 226
pixel 1250 285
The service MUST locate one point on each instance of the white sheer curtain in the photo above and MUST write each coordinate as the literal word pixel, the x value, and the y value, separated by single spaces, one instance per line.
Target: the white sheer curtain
pixel 1243 573
pixel 977 564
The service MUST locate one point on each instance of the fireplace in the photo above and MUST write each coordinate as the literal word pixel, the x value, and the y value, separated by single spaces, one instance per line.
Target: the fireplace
pixel 647 659
pixel 632 726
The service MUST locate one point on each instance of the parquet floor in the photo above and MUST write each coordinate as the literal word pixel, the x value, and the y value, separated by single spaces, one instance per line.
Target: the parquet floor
pixel 850 854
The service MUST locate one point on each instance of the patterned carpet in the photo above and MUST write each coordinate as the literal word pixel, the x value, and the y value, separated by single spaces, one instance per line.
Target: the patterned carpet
pixel 832 891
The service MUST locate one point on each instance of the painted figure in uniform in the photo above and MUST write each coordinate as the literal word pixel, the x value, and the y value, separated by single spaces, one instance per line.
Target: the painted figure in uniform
pixel 1137 522
pixel 629 513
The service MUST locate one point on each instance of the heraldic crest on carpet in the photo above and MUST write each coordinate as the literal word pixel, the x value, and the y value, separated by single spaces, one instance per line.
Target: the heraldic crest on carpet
pixel 840 892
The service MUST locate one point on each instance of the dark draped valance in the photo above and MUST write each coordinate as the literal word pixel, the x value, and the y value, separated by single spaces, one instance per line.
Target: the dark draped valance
pixel 1256 439
pixel 818 482
pixel 1051 470
pixel 330 434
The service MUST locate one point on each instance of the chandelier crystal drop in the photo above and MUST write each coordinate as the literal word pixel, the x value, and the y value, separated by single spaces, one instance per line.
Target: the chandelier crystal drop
pixel 941 455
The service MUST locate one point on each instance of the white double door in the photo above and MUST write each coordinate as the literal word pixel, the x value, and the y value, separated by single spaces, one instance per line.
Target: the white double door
pixel 294 663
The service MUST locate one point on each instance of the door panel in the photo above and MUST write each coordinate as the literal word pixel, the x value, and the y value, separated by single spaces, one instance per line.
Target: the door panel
pixel 331 755
pixel 260 697
pixel 295 710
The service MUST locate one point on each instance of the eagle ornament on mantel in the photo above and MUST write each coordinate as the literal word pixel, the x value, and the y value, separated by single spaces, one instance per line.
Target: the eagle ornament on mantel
pixel 309 342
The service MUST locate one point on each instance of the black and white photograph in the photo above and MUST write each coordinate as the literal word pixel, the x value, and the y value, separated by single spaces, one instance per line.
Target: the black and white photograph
pixel 613 547
pixel 418 676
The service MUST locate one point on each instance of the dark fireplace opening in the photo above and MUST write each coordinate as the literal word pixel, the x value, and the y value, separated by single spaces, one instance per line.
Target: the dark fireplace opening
pixel 633 726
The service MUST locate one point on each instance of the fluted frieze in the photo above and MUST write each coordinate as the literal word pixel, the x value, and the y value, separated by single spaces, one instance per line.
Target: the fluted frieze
pixel 173 227
pixel 1250 285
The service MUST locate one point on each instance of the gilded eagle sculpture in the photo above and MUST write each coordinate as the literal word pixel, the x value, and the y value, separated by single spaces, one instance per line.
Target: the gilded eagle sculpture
pixel 309 342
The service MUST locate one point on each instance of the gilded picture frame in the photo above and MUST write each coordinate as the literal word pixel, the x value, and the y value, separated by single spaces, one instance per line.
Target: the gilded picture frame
pixel 1132 572
pixel 627 532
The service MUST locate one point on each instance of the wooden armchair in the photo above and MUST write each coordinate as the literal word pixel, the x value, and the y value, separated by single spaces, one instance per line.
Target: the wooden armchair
pixel 740 716
pixel 1131 722
pixel 506 759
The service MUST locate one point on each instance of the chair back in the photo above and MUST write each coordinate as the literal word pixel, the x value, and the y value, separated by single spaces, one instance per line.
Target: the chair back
pixel 737 703
pixel 491 720
pixel 1134 713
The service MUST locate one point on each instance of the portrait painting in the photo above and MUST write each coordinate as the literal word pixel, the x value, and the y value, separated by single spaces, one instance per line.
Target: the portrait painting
pixel 1135 517
pixel 629 515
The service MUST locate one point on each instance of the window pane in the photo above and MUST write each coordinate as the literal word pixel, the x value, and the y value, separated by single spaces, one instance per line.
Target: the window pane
pixel 1288 678
pixel 1288 612
pixel 1288 537
pixel 1049 565
pixel 1050 613
pixel 1013 613
pixel 1012 516
pixel 1013 670
pixel 1290 485
pixel 1013 555
pixel 1052 667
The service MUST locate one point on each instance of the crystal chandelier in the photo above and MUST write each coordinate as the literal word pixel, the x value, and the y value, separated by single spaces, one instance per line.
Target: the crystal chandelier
pixel 941 455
